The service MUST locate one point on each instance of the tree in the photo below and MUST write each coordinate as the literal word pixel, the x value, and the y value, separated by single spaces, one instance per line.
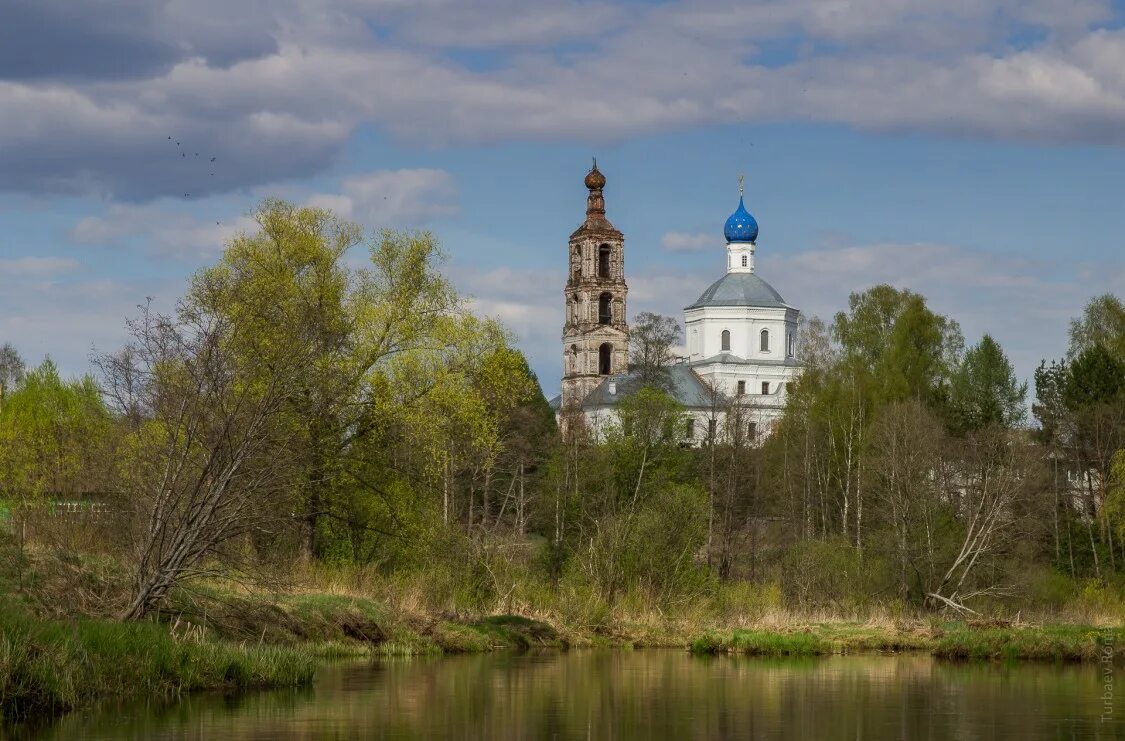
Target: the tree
pixel 907 442
pixel 11 369
pixel 1050 408
pixel 1102 323
pixel 55 436
pixel 208 466
pixel 651 340
pixel 51 431
pixel 908 350
pixel 992 475
pixel 984 390
pixel 1095 377
pixel 635 516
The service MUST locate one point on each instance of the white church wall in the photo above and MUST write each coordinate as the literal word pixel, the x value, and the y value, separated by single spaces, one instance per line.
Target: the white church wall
pixel 704 327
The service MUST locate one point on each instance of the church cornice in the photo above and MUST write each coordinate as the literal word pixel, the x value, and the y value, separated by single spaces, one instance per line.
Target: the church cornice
pixel 604 230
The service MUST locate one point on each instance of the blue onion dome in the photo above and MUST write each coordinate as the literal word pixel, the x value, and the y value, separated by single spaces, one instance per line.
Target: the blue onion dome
pixel 741 226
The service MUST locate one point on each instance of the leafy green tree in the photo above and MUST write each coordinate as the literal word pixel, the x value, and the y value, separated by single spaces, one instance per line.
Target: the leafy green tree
pixel 984 390
pixel 1050 407
pixel 55 440
pixel 908 350
pixel 52 436
pixel 1102 323
pixel 1095 377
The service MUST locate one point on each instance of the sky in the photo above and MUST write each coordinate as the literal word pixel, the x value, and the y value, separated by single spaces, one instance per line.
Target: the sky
pixel 971 151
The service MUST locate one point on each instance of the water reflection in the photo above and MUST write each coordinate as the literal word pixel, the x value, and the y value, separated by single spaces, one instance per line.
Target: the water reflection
pixel 643 694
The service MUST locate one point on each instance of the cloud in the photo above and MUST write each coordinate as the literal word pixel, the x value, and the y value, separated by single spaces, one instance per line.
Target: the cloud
pixel 33 266
pixel 681 242
pixel 124 39
pixel 70 316
pixel 534 316
pixel 275 91
pixel 393 197
pixel 160 231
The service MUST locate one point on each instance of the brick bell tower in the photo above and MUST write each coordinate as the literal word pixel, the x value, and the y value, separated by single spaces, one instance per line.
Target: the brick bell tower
pixel 595 334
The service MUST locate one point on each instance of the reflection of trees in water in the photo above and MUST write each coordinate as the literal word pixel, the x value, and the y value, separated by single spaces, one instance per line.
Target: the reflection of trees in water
pixel 644 694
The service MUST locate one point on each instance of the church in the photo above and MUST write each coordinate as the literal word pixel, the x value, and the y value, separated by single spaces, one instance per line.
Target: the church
pixel 740 334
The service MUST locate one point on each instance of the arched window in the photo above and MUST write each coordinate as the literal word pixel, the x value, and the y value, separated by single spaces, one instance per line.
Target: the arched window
pixel 789 342
pixel 572 359
pixel 764 341
pixel 605 309
pixel 576 308
pixel 744 260
pixel 726 340
pixel 753 431
pixel 577 263
pixel 603 261
pixel 605 359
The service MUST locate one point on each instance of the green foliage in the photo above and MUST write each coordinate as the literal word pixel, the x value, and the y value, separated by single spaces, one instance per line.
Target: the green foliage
pixel 1050 407
pixel 53 435
pixel 1095 377
pixel 984 390
pixel 55 665
pixel 762 643
pixel 831 573
pixel 1050 643
pixel 907 350
pixel 1102 323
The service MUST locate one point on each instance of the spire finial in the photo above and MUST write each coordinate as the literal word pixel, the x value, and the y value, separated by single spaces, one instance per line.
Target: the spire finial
pixel 740 179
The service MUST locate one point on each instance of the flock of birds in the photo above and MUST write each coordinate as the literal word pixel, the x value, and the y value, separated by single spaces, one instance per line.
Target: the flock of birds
pixel 184 154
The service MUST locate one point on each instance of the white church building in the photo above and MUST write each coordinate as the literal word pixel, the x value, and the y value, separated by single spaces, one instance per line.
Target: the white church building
pixel 740 333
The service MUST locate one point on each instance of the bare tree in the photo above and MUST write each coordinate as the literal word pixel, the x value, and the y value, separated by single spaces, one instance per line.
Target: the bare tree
pixel 651 340
pixel 907 440
pixel 993 473
pixel 205 464
pixel 11 368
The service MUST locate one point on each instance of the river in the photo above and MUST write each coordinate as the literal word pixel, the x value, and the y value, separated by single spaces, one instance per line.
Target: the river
pixel 653 694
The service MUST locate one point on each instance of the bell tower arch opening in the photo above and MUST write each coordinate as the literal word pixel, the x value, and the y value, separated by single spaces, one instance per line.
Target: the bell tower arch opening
pixel 605 359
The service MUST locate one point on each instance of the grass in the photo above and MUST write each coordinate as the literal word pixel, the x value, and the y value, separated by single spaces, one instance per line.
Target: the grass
pixel 1047 643
pixel 950 640
pixel 762 643
pixel 335 623
pixel 53 666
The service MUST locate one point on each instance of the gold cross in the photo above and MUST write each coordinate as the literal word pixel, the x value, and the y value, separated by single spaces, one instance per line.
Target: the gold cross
pixel 740 178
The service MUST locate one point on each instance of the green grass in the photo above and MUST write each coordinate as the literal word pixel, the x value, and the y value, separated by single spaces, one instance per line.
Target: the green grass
pixel 762 643
pixel 952 640
pixel 1048 643
pixel 53 666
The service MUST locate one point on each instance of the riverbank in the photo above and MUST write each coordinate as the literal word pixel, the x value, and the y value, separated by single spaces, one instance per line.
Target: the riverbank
pixel 232 640
pixel 51 666
pixel 946 640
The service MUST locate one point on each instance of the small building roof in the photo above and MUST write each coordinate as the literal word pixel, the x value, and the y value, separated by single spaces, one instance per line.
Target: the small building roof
pixel 684 385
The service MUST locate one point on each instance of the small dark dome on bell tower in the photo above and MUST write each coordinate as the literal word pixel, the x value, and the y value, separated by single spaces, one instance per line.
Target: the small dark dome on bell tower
pixel 594 179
